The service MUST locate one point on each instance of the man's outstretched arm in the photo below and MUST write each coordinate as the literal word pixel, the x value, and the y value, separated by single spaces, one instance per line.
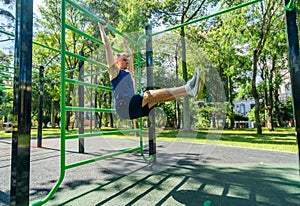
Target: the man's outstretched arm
pixel 129 52
pixel 113 69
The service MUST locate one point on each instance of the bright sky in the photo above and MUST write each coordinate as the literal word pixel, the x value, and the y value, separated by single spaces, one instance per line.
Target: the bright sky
pixel 9 44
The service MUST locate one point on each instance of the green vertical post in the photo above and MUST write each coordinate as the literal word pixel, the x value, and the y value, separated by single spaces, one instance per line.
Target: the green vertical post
pixel 62 99
pixel 62 107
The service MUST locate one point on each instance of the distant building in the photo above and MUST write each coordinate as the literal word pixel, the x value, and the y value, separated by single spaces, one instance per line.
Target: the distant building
pixel 243 107
pixel 285 90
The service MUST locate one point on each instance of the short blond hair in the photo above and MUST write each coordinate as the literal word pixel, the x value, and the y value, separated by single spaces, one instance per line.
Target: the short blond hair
pixel 122 56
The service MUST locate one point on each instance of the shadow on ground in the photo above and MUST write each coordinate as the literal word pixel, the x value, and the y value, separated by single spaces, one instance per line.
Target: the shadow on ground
pixel 190 184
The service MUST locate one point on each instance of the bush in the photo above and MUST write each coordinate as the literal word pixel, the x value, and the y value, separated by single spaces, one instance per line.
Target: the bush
pixel 202 123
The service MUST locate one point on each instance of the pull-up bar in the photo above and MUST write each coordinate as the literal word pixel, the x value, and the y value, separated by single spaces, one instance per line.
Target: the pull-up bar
pixel 91 15
pixel 6 72
pixel 36 43
pixel 7 67
pixel 207 17
pixel 6 76
pixel 290 6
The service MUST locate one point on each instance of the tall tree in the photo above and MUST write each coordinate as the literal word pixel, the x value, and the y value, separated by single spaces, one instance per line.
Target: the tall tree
pixel 223 45
pixel 48 33
pixel 272 69
pixel 266 13
pixel 256 22
pixel 179 12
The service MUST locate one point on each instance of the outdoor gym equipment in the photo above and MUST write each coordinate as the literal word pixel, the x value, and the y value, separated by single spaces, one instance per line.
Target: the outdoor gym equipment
pixel 65 108
pixel 64 80
pixel 21 149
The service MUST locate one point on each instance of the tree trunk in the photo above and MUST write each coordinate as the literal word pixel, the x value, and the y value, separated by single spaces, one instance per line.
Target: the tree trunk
pixel 96 106
pixel 178 115
pixel 177 109
pixel 111 122
pixel 68 115
pixel 231 125
pixel 268 116
pixel 68 100
pixel 136 126
pixel 213 123
pixel 255 94
pixel 230 99
pixel 277 109
pixel 52 114
pixel 106 118
pixel 100 119
pixel 266 105
pixel 271 90
pixel 100 114
pixel 269 112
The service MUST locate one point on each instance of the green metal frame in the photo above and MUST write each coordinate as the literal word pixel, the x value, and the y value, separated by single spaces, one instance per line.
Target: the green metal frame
pixel 64 108
pixel 64 80
pixel 290 6
pixel 209 16
pixel 6 76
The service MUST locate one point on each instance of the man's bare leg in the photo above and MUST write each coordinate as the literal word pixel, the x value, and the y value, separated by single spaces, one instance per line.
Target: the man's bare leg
pixel 152 97
pixel 192 87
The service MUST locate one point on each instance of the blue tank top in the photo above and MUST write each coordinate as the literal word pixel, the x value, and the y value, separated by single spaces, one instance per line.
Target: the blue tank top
pixel 123 89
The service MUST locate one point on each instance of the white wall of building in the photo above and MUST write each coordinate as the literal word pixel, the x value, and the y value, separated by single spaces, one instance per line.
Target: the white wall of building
pixel 243 106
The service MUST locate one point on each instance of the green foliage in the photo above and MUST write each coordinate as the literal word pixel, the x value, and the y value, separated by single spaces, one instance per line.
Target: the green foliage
pixel 204 117
pixel 5 59
pixel 49 33
pixel 169 110
pixel 174 12
pixel 286 109
pixel 6 96
pixel 6 107
pixel 225 43
pixel 251 115
pixel 202 123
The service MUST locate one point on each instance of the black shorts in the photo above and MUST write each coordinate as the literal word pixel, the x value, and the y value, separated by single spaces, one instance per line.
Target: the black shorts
pixel 135 107
pixel 132 108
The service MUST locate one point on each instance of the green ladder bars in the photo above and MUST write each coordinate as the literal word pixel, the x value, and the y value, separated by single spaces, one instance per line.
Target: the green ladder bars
pixel 6 76
pixel 64 108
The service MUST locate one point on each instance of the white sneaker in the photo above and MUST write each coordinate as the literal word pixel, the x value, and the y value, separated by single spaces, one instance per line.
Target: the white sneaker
pixel 200 83
pixel 192 83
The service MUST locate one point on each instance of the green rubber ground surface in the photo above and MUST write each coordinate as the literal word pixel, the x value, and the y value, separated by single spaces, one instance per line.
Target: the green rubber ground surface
pixel 185 174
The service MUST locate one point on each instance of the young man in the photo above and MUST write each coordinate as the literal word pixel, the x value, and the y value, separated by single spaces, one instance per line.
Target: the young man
pixel 129 105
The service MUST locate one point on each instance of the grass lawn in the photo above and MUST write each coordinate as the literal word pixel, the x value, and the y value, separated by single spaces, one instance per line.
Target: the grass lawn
pixel 282 139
